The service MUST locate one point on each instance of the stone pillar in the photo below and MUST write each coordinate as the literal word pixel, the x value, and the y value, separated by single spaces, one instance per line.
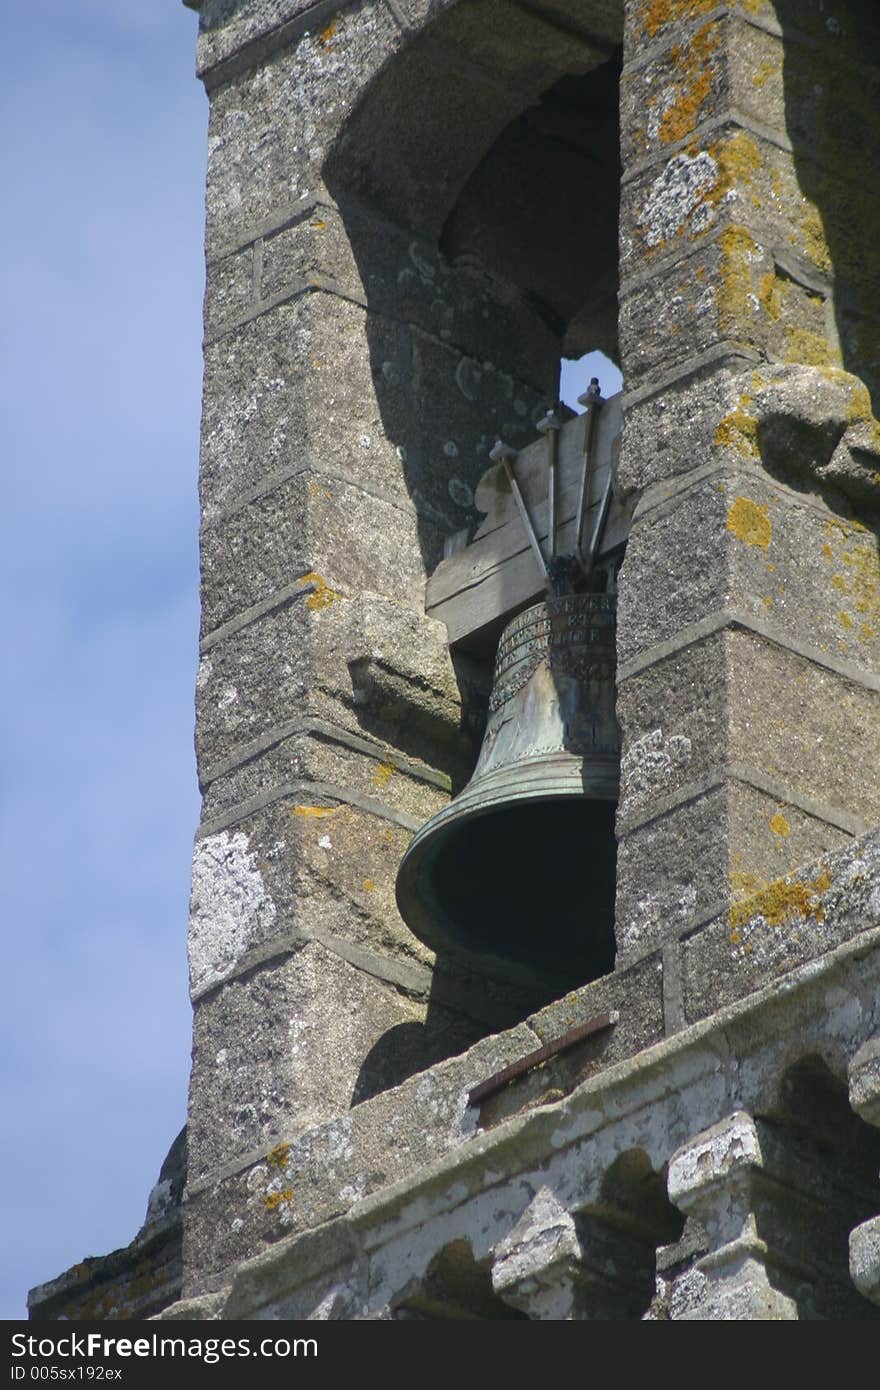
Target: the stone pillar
pixel 749 640
pixel 559 1266
pixel 717 1180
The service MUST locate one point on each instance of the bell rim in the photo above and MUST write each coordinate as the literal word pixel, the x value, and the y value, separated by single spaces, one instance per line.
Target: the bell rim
pixel 482 798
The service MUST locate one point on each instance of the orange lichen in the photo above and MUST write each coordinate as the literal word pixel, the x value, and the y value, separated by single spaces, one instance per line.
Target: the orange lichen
pixel 654 15
pixel 327 34
pixel 322 595
pixel 277 1157
pixel 750 522
pixel 695 73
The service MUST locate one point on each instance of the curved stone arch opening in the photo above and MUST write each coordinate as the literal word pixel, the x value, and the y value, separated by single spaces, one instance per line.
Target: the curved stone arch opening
pixel 477 178
pixel 821 1161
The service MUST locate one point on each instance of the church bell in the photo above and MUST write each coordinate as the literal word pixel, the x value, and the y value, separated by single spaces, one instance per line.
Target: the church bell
pixel 521 864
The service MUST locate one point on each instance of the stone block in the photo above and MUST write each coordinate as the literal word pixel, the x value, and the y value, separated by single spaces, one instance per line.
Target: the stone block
pixel 226 26
pixel 635 994
pixel 669 432
pixel 864 1258
pixel 689 691
pixel 732 290
pixel 265 149
pixel 244 690
pixel 318 756
pixel 864 1082
pixel 737 184
pixel 316 522
pixel 229 290
pixel 301 867
pixel 278 1051
pixel 675 572
pixel 780 924
pixel 806 727
pixel 406 278
pixel 292 386
pixel 671 872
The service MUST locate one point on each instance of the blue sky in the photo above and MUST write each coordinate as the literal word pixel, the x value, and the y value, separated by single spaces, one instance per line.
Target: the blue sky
pixel 101 378
pixel 101 375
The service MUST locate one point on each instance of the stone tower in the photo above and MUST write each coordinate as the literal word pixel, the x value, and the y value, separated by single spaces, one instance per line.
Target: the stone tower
pixel 414 209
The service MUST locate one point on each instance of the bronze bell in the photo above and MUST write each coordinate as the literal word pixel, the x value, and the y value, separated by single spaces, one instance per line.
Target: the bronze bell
pixel 521 864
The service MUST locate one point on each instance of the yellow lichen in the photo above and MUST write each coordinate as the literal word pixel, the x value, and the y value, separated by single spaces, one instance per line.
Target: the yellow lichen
pixel 738 431
pixel 771 293
pixel 383 774
pixel 277 1157
pixel 733 288
pixel 322 595
pixel 274 1199
pixel 739 159
pixel 814 242
pixel 369 885
pixel 860 413
pixel 778 902
pixel 779 825
pixel 866 633
pixel 314 811
pixel 844 619
pixel 750 522
pixel 763 72
pixel 810 348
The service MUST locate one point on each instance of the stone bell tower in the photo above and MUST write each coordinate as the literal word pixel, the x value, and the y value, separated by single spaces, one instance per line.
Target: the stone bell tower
pixel 413 211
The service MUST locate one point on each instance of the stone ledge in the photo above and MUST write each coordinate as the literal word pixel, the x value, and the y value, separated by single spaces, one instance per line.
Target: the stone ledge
pixel 654 1100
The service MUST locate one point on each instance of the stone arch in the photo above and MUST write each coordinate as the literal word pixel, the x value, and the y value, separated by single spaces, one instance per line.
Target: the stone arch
pixel 830 1158
pixel 477 177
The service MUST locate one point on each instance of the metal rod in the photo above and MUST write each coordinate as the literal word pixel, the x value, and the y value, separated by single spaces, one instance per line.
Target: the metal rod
pixel 502 453
pixel 550 427
pixel 591 400
pixel 542 1054
pixel 598 529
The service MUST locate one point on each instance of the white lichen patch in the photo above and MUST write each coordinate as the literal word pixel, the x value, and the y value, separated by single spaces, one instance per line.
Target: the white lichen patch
pixel 652 761
pixel 229 907
pixel 677 194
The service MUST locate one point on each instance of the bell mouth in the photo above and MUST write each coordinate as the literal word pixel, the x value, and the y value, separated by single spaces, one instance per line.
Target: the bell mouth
pixel 529 883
